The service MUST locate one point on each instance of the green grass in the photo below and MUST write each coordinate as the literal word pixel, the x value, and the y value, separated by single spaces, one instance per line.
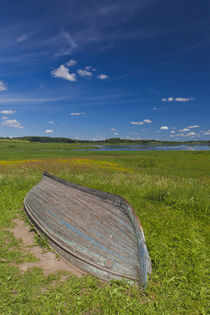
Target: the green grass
pixel 18 149
pixel 170 193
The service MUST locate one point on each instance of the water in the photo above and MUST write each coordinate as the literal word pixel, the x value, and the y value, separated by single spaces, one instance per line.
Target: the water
pixel 137 147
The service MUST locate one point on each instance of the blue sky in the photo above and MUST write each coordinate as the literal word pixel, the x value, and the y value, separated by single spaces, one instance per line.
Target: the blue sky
pixel 99 69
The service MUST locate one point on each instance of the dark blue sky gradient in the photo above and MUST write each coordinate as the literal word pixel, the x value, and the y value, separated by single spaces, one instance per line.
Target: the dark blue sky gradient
pixel 149 74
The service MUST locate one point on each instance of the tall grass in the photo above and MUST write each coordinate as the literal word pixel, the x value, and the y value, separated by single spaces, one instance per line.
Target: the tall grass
pixel 170 193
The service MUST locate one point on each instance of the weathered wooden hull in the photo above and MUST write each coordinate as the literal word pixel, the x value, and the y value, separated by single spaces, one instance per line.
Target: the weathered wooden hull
pixel 94 230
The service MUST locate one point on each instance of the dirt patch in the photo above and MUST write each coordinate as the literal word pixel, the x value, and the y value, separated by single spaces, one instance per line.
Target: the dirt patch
pixel 48 261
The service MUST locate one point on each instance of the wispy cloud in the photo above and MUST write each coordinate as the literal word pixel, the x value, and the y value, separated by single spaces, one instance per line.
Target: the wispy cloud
pixel 30 100
pixel 67 43
pixel 169 99
pixel 113 129
pixel 207 132
pixel 178 99
pixel 139 123
pixel 178 135
pixel 68 38
pixel 103 76
pixel 7 112
pixel 193 126
pixel 12 123
pixel 2 86
pixel 147 121
pixel 63 73
pixel 84 73
pixel 49 131
pixel 24 57
pixel 77 114
pixel 21 38
pixel 184 99
pixel 51 122
pixel 189 134
pixel 71 63
pixel 184 130
pixel 164 128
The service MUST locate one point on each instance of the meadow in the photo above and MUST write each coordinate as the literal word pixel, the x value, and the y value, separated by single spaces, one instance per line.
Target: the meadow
pixel 170 193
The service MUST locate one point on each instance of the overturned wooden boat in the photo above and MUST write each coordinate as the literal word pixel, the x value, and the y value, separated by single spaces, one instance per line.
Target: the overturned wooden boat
pixel 96 231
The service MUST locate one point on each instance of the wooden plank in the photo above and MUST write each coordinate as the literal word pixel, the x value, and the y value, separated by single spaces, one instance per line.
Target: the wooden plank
pixel 98 231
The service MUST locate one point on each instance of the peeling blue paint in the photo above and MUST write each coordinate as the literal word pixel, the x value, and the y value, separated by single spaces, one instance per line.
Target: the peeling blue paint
pixel 101 246
pixel 88 230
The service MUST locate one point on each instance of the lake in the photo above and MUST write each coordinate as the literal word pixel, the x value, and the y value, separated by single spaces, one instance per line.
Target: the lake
pixel 136 147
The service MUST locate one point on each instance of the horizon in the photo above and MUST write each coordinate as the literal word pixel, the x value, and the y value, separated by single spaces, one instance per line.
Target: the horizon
pixel 101 140
pixel 135 70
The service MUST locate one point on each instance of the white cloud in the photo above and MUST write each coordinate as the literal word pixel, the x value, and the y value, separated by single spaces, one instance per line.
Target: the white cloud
pixel 77 114
pixel 177 99
pixel 7 112
pixel 2 86
pixel 164 128
pixel 194 126
pixel 88 68
pixel 49 131
pixel 12 123
pixel 113 129
pixel 51 122
pixel 184 130
pixel 184 99
pixel 154 108
pixel 84 73
pixel 139 123
pixel 71 63
pixel 169 99
pixel 147 121
pixel 63 73
pixel 190 134
pixel 103 76
pixel 207 132
pixel 4 117
pixel 21 38
pixel 172 131
pixel 116 133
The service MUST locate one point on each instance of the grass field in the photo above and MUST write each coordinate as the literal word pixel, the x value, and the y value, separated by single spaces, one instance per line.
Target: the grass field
pixel 170 193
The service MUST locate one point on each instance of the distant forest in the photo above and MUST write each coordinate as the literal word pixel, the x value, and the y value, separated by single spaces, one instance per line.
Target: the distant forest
pixel 104 142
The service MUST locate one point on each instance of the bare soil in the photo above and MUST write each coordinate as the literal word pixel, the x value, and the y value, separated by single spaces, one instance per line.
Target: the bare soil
pixel 48 261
